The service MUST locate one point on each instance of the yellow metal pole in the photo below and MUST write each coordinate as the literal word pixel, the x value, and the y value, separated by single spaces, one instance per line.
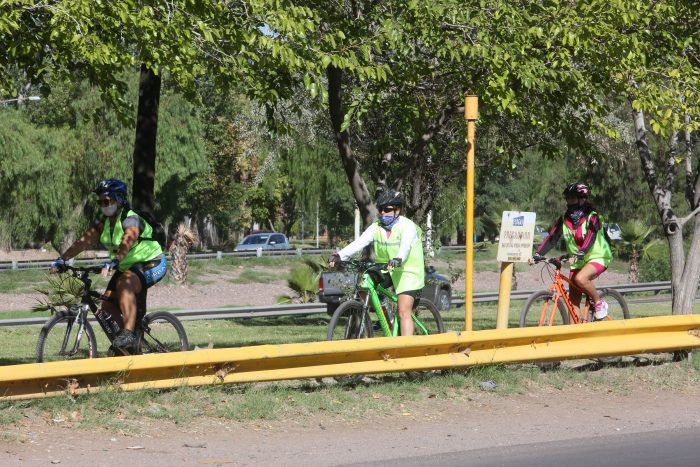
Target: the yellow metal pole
pixel 471 112
pixel 504 295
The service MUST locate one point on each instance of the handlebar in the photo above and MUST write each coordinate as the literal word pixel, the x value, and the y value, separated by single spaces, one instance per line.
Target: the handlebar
pixel 363 265
pixel 554 261
pixel 79 271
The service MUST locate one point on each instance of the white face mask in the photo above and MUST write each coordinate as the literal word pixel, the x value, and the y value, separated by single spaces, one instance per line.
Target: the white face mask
pixel 110 210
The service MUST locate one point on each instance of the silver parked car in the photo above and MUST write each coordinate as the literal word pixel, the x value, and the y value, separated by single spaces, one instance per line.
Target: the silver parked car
pixel 266 241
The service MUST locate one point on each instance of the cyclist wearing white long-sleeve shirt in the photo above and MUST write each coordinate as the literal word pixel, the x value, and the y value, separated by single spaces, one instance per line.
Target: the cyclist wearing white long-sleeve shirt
pixel 397 241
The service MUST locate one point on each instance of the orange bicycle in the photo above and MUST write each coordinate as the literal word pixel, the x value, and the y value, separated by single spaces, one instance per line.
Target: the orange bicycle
pixel 541 307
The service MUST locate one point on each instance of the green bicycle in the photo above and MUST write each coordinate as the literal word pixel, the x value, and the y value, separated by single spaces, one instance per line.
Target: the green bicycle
pixel 351 319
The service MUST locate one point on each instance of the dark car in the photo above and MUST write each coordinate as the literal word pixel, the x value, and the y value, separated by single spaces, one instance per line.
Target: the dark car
pixel 265 240
pixel 335 286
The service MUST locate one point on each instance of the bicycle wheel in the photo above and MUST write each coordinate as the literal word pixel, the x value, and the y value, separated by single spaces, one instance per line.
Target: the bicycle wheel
pixel 532 311
pixel 162 332
pixel 617 306
pixel 61 339
pixel 349 322
pixel 427 314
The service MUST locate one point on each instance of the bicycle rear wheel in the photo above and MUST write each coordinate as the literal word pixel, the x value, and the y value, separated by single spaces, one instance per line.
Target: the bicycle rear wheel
pixel 532 311
pixel 427 319
pixel 617 306
pixel 61 339
pixel 162 332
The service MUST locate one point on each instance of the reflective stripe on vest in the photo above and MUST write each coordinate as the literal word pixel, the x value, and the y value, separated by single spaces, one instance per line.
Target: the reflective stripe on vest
pixel 600 251
pixel 141 251
pixel 411 274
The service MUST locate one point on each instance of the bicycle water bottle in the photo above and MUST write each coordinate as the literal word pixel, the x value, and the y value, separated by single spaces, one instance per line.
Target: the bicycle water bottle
pixel 109 324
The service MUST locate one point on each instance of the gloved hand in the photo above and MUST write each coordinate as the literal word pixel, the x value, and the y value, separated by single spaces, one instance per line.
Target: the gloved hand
pixel 107 268
pixel 58 265
pixel 395 263
pixel 333 260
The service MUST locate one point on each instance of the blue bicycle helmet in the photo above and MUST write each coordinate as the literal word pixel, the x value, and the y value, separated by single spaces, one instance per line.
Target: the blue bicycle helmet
pixel 113 188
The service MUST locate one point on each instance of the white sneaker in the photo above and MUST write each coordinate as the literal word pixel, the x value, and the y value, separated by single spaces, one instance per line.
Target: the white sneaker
pixel 601 310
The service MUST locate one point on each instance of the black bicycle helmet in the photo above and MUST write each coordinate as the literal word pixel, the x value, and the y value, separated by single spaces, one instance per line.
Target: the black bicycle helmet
pixel 577 189
pixel 113 188
pixel 389 198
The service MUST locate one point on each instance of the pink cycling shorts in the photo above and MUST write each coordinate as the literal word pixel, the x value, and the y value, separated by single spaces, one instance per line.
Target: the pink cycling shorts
pixel 598 267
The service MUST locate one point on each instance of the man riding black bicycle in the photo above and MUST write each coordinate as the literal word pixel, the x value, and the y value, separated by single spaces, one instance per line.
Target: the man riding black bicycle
pixel 135 258
pixel 397 242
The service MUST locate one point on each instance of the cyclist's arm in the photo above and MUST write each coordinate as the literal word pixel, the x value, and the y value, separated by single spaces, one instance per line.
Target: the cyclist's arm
pixel 89 238
pixel 589 241
pixel 408 236
pixel 132 230
pixel 355 247
pixel 552 239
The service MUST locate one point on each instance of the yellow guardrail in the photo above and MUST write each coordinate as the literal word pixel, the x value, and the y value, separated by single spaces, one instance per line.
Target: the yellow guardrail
pixel 379 355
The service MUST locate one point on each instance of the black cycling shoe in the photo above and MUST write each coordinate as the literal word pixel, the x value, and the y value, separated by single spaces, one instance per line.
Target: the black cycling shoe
pixel 125 342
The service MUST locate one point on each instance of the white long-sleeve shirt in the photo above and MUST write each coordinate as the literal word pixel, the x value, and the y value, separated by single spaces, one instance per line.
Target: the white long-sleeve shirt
pixel 408 236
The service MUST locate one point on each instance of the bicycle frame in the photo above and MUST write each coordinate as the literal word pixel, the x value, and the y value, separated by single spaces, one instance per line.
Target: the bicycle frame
pixel 560 293
pixel 373 290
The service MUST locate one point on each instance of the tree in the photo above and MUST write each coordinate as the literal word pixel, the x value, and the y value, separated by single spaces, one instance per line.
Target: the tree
pixel 635 243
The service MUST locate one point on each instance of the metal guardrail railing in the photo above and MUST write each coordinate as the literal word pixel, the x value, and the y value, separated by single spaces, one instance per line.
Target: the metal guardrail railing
pixel 39 264
pixel 353 356
pixel 319 308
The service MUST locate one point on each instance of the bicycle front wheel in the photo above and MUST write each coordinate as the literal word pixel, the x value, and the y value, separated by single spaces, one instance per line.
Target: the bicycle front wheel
pixel 539 307
pixel 427 319
pixel 162 332
pixel 350 321
pixel 62 338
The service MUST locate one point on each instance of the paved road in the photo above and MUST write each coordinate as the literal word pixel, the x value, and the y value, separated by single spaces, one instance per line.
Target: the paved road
pixel 677 448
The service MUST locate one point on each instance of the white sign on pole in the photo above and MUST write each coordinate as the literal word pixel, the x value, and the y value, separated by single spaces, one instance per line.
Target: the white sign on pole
pixel 515 241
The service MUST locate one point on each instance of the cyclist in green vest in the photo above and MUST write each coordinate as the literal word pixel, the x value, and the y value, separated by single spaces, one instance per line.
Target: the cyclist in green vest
pixel 585 239
pixel 135 258
pixel 397 241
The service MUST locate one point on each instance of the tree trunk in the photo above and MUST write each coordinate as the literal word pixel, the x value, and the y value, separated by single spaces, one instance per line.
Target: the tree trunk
pixel 342 138
pixel 145 142
pixel 685 270
pixel 633 275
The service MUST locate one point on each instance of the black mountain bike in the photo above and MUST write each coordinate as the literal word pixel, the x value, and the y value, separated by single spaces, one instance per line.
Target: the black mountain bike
pixel 69 335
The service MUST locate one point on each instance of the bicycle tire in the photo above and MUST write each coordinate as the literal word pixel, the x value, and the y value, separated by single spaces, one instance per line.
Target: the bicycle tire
pixel 427 313
pixel 345 323
pixel 530 315
pixel 617 305
pixel 162 332
pixel 50 344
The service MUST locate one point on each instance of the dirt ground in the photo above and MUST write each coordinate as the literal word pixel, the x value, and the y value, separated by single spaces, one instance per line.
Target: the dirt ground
pixel 433 425
pixel 220 291
pixel 485 420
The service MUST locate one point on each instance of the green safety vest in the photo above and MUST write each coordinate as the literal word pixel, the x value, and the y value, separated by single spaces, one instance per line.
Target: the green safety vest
pixel 142 251
pixel 600 251
pixel 411 274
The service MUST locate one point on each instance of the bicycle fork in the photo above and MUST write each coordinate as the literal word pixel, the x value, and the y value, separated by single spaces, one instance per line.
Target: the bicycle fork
pixel 81 316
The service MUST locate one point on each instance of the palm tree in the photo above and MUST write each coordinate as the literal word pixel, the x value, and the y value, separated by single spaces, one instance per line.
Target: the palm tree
pixel 184 240
pixel 635 243
pixel 303 281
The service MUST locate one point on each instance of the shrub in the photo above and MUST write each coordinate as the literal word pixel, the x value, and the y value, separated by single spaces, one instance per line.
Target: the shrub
pixel 656 267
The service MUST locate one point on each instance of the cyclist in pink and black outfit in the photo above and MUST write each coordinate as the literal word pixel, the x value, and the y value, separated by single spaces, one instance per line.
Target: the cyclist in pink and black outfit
pixel 584 236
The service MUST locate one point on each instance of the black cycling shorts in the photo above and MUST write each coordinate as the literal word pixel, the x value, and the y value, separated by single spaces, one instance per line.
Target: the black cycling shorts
pixel 150 272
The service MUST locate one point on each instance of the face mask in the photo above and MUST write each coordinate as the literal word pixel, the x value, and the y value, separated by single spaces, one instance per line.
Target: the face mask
pixel 110 210
pixel 388 221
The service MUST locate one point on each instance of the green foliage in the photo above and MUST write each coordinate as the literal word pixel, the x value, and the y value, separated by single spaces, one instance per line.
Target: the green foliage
pixel 655 268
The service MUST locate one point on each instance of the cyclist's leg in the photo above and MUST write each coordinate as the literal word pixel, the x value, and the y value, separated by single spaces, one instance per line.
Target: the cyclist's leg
pixel 584 279
pixel 405 305
pixel 128 287
pixel 575 292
